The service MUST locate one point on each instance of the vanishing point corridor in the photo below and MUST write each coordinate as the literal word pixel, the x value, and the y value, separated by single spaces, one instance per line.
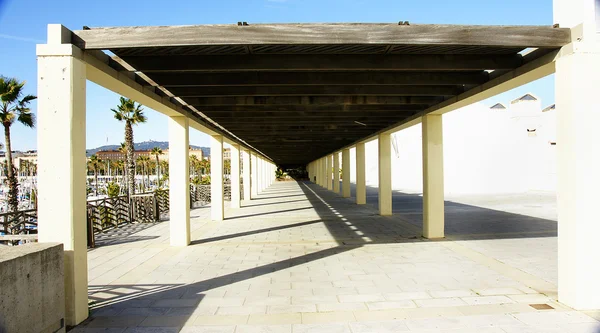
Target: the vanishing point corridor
pixel 299 258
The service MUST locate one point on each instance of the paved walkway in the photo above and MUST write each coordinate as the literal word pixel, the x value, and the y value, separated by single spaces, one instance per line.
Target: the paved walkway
pixel 302 259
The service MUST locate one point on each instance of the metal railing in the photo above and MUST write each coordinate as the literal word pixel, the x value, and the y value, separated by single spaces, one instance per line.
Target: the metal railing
pixel 15 226
pixel 108 213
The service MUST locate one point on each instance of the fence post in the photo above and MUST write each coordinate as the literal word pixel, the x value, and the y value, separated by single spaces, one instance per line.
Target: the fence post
pixel 156 207
pixel 131 208
pixel 91 241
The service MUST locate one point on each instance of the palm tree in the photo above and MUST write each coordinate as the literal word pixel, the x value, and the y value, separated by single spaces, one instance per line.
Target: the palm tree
pixel 194 164
pixel 150 164
pixel 164 165
pixel 131 113
pixel 205 166
pixel 13 106
pixel 95 162
pixel 156 151
pixel 227 167
pixel 143 160
pixel 123 150
pixel 120 165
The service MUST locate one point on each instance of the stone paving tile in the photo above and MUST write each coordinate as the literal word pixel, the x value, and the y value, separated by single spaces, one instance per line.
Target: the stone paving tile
pixel 302 259
pixel 275 319
pixel 391 305
pixel 292 308
pixel 263 329
pixel 452 293
pixel 439 302
pixel 406 296
pixel 152 330
pixel 321 328
pixel 208 329
pixel 392 326
pixel 332 307
pixel 487 300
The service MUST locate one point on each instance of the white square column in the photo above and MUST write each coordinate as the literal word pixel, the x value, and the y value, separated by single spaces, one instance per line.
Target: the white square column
pixel 261 166
pixel 235 176
pixel 61 157
pixel 577 82
pixel 319 171
pixel 217 209
pixel 328 166
pixel 385 174
pixel 179 181
pixel 254 179
pixel 265 174
pixel 433 176
pixel 246 171
pixel 346 173
pixel 336 172
pixel 324 172
pixel 361 176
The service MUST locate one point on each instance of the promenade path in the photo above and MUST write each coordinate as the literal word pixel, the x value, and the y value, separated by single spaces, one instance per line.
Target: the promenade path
pixel 299 258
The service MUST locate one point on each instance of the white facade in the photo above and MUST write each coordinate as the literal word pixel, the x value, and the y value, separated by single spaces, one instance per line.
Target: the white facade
pixel 486 150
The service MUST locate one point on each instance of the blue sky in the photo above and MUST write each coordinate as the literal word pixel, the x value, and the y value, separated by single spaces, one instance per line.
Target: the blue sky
pixel 23 25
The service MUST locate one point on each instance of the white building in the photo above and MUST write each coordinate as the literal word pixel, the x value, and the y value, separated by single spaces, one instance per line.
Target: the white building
pixel 495 149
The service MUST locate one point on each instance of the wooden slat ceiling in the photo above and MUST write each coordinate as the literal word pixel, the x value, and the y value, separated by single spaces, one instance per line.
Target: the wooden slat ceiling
pixel 298 92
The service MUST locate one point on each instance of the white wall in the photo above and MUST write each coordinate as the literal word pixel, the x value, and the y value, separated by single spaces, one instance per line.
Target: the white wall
pixel 485 151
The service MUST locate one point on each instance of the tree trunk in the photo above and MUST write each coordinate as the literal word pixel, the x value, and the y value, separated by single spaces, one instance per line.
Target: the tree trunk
pixel 96 181
pixel 13 184
pixel 130 162
pixel 157 173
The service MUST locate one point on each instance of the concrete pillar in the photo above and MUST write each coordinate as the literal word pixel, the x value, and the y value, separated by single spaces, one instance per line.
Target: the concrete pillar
pixel 266 174
pixel 217 209
pixel 336 172
pixel 385 174
pixel 246 170
pixel 433 176
pixel 576 91
pixel 361 177
pixel 346 173
pixel 61 157
pixel 324 172
pixel 235 176
pixel 318 171
pixel 261 181
pixel 179 181
pixel 328 173
pixel 254 178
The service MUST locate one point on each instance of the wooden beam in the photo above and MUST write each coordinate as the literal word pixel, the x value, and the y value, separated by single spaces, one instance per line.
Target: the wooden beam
pixel 99 71
pixel 319 34
pixel 535 67
pixel 314 90
pixel 310 100
pixel 321 62
pixel 258 116
pixel 233 124
pixel 307 108
pixel 174 79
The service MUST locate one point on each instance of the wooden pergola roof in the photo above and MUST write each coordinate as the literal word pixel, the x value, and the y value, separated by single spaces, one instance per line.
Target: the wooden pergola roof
pixel 297 92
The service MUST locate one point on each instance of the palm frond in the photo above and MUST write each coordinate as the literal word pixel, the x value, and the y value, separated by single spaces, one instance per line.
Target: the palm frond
pixel 27 119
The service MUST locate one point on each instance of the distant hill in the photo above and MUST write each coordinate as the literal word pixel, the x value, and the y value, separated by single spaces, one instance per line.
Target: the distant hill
pixel 146 145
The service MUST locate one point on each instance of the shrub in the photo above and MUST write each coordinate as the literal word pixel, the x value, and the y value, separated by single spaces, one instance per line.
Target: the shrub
pixel 113 189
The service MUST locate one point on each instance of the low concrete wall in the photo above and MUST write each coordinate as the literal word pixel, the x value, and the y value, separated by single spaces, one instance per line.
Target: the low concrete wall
pixel 32 288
